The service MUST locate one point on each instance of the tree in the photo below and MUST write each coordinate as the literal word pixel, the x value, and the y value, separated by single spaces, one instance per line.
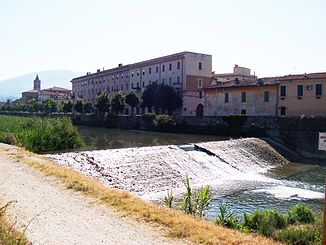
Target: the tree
pixel 103 102
pixel 32 105
pixel 88 107
pixel 161 97
pixel 49 106
pixel 132 100
pixel 149 96
pixel 117 102
pixel 67 107
pixel 79 106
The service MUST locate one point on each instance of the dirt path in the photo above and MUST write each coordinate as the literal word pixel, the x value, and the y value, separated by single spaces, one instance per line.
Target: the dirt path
pixel 55 215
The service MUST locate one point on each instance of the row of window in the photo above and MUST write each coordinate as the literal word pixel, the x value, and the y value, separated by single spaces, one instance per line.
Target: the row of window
pixel 244 97
pixel 318 90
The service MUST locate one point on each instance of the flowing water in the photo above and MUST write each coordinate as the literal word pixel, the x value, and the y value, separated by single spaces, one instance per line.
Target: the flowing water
pixel 244 174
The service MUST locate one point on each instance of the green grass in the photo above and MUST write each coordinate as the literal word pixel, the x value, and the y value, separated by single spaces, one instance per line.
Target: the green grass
pixel 39 134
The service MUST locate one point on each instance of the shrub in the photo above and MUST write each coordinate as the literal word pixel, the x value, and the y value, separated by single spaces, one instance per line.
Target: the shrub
pixel 227 218
pixel 164 123
pixel 149 117
pixel 300 234
pixel 264 222
pixel 168 200
pixel 301 214
pixel 8 138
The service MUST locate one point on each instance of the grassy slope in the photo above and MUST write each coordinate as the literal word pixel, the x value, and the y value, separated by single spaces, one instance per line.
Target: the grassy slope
pixel 176 223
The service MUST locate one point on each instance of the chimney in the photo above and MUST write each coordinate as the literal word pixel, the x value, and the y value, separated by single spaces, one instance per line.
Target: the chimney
pixel 120 65
pixel 98 70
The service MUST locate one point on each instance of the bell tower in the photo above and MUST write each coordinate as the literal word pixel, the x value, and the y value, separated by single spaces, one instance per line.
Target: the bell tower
pixel 37 83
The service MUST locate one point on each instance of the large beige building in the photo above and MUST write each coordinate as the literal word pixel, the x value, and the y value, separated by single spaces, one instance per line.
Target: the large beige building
pixel 186 72
pixel 302 95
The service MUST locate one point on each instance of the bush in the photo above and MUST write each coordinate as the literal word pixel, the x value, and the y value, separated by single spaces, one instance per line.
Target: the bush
pixel 301 214
pixel 149 117
pixel 164 123
pixel 301 234
pixel 111 121
pixel 227 218
pixel 264 222
pixel 40 134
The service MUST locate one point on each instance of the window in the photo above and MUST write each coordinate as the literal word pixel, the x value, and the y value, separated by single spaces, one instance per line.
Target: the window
pixel 226 98
pixel 138 85
pixel 143 84
pixel 127 86
pixel 178 80
pixel 163 68
pixel 200 83
pixel 143 72
pixel 150 70
pixel 163 81
pixel 132 74
pixel 170 81
pixel 266 96
pixel 170 67
pixel 121 87
pixel 121 75
pixel 319 89
pixel 243 96
pixel 137 73
pixel 112 77
pixel 283 91
pixel 117 76
pixel 243 112
pixel 178 65
pixel 283 110
pixel 156 69
pixel 200 66
pixel 300 90
pixel 200 94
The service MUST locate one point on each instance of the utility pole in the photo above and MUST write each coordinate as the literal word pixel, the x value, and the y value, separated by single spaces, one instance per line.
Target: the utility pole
pixel 324 218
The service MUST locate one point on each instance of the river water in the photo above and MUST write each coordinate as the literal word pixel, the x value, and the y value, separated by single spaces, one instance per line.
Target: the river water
pixel 244 174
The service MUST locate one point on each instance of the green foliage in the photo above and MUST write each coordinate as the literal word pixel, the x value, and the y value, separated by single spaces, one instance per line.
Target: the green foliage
pixel 102 102
pixel 78 106
pixel 49 106
pixel 117 102
pixel 301 214
pixel 164 123
pixel 300 234
pixel 265 222
pixel 132 99
pixel 156 95
pixel 235 121
pixel 40 134
pixel 227 218
pixel 149 117
pixel 168 200
pixel 67 107
pixel 88 107
pixel 195 203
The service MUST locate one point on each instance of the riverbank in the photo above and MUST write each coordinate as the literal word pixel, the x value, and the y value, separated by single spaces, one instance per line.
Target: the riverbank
pixel 172 223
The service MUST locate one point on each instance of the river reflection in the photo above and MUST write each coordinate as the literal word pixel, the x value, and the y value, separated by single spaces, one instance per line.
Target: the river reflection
pixel 103 138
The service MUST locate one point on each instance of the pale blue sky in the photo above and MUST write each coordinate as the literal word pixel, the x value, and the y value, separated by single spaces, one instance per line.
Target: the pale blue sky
pixel 274 37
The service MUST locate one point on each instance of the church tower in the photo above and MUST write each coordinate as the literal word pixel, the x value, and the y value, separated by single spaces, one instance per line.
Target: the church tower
pixel 37 83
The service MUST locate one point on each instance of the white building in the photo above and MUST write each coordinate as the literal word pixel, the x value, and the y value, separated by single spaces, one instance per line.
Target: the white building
pixel 186 72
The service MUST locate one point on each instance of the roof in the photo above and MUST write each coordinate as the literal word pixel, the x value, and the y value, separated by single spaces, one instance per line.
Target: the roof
pixel 56 89
pixel 137 64
pixel 303 76
pixel 267 81
pixel 31 91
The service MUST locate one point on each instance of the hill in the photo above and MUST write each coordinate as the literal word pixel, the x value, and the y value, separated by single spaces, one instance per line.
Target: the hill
pixel 13 87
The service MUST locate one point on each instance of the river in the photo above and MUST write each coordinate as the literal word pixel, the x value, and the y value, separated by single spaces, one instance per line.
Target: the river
pixel 245 174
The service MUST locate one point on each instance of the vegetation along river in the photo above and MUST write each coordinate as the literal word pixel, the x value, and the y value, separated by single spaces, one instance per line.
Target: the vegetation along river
pixel 245 174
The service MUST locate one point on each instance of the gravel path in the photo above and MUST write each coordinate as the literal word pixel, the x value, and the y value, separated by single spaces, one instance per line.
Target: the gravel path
pixel 55 215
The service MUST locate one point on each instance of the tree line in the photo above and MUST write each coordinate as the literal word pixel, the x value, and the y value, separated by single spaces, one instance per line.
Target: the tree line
pixel 158 96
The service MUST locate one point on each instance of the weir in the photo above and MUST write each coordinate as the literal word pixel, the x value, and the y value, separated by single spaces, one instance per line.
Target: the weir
pixel 147 171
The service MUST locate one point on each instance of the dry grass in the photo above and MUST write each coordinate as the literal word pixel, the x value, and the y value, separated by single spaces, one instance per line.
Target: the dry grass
pixel 8 234
pixel 176 223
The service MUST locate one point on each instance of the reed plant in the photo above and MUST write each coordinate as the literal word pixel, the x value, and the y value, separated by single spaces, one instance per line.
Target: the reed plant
pixel 39 134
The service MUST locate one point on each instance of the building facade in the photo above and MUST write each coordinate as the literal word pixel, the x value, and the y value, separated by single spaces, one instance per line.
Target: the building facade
pixel 302 95
pixel 257 97
pixel 186 72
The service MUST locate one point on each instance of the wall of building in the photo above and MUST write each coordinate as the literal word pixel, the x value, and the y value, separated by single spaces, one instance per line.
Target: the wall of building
pixel 308 104
pixel 255 105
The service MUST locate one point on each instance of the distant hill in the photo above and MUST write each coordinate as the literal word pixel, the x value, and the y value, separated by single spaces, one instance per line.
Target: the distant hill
pixel 13 87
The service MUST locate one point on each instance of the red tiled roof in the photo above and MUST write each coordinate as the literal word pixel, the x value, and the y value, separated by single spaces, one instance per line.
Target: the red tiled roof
pixel 245 83
pixel 303 76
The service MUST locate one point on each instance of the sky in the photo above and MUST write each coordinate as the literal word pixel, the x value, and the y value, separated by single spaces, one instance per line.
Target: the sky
pixel 272 37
